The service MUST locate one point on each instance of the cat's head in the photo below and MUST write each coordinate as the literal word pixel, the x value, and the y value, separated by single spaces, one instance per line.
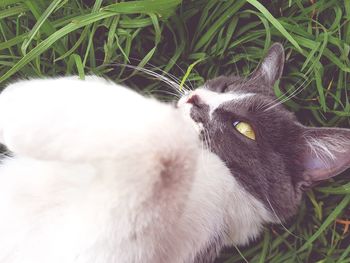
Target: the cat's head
pixel 267 150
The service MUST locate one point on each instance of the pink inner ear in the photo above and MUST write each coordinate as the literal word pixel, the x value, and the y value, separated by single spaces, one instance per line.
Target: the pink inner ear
pixel 314 163
pixel 326 152
pixel 319 168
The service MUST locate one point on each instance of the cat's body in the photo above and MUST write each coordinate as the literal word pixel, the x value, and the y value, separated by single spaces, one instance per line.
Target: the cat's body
pixel 101 174
pixel 119 190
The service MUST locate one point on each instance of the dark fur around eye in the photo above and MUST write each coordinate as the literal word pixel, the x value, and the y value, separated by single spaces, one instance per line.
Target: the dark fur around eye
pixel 223 88
pixel 219 87
pixel 224 84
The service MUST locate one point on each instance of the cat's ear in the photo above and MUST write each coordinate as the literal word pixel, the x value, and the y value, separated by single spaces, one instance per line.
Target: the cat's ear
pixel 271 67
pixel 325 153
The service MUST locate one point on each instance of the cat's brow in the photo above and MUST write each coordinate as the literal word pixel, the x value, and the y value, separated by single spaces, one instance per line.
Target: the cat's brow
pixel 214 100
pixel 225 98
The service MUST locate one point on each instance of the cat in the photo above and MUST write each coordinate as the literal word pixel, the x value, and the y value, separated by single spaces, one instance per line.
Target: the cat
pixel 98 173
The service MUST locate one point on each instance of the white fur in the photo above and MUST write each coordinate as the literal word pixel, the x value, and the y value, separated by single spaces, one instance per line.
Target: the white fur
pixel 101 174
pixel 214 99
pixel 326 153
pixel 267 68
pixel 325 147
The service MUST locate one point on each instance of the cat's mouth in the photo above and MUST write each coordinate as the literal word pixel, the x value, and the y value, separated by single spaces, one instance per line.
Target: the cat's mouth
pixel 185 106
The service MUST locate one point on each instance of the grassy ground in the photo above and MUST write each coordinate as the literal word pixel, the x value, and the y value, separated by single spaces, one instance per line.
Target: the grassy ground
pixel 196 40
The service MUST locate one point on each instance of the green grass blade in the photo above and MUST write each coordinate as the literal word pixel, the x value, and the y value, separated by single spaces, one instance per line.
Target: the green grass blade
pixel 164 8
pixel 79 65
pixel 38 25
pixel 47 43
pixel 335 213
pixel 188 71
pixel 12 11
pixel 9 2
pixel 275 23
pixel 208 35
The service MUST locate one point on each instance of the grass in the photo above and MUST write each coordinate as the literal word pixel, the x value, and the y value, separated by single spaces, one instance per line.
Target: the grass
pixel 196 40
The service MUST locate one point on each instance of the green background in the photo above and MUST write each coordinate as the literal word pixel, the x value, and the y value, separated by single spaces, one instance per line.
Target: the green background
pixel 190 42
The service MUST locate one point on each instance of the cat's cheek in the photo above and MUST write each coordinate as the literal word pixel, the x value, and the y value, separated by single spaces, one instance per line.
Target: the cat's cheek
pixel 232 215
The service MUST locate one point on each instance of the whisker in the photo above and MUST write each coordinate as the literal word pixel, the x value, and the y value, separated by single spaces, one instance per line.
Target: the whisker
pixel 280 221
pixel 285 93
pixel 192 87
pixel 185 86
pixel 166 80
pixel 171 76
pixel 176 95
pixel 297 91
pixel 208 138
pixel 241 254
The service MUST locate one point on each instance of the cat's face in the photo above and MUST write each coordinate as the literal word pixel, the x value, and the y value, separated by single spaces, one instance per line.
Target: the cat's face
pixel 266 149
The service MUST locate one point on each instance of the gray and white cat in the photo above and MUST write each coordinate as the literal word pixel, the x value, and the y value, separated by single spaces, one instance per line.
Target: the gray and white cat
pixel 101 174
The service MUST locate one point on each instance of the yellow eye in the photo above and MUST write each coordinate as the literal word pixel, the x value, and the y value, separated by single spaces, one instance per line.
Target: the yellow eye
pixel 245 128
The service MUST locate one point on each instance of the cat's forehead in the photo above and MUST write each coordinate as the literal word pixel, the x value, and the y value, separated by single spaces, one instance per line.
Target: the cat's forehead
pixel 224 84
pixel 216 100
pixel 235 93
pixel 237 97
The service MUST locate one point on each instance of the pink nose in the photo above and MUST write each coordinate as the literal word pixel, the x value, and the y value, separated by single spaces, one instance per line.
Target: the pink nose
pixel 194 99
